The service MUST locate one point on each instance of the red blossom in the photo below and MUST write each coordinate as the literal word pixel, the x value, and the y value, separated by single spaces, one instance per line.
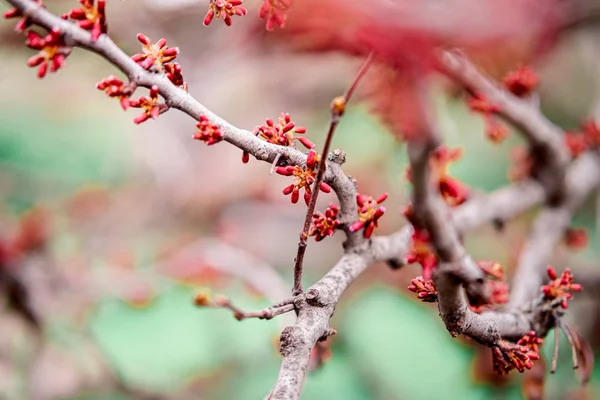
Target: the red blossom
pixel 149 104
pixel 174 74
pixel 522 81
pixel 154 53
pixel 576 143
pixel 275 12
pixel 52 51
pixel 452 190
pixel 576 238
pixel 91 16
pixel 531 341
pixel 369 212
pixel 224 9
pixel 559 288
pixel 591 131
pixel 207 132
pixel 114 87
pixel 492 268
pixel 325 224
pixel 304 178
pixel 494 130
pixel 23 22
pixel 425 289
pixel 422 253
pixel 283 132
pixel 508 356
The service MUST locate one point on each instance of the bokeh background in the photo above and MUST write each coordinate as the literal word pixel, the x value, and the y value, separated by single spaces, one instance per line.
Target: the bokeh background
pixel 137 219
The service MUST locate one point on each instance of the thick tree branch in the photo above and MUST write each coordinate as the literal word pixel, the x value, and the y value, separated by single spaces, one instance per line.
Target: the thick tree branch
pixel 545 139
pixel 549 228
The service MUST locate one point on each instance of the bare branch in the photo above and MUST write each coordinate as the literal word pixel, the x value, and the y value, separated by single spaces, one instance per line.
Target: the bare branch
pixel 338 107
pixel 545 139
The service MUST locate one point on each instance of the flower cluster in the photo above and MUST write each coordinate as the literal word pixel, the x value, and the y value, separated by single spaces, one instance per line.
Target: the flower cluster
pixel 587 138
pixel 274 12
pixel 453 191
pixel 52 51
pixel 152 108
pixel 304 178
pixel 23 22
pixel 576 238
pixel 32 234
pixel 494 130
pixel 282 133
pixel 156 54
pixel 508 356
pixel 207 132
pixel 114 87
pixel 425 289
pixel 369 212
pixel 325 224
pixel 521 82
pixel 175 75
pixel 559 288
pixel 91 16
pixel 224 9
pixel 421 252
pixel 497 288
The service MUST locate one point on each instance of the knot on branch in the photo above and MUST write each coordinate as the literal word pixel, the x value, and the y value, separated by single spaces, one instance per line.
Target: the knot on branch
pixel 291 338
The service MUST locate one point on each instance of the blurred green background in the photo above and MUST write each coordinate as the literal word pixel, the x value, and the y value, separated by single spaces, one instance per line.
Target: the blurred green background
pixel 130 207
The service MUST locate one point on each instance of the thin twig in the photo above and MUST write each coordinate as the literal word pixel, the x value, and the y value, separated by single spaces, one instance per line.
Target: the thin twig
pixel 570 337
pixel 555 356
pixel 338 107
pixel 203 300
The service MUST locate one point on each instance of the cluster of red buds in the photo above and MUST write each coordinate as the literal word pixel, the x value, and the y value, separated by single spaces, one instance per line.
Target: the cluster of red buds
pixel 33 234
pixel 304 178
pixel 23 22
pixel 207 132
pixel 282 133
pixel 425 289
pixel 497 287
pixel 576 238
pixel 587 138
pixel 559 288
pixel 521 82
pixel 508 356
pixel 52 51
pixel 154 53
pixel 453 191
pixel 91 16
pixel 274 12
pixel 114 87
pixel 369 212
pixel 325 224
pixel 174 73
pixel 224 9
pixel 421 252
pixel 494 130
pixel 152 108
